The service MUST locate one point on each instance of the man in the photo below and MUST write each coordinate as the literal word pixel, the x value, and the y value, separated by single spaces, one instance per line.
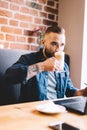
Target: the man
pixel 38 71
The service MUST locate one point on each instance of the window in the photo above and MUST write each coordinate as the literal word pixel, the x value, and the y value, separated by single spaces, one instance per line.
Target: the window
pixel 84 55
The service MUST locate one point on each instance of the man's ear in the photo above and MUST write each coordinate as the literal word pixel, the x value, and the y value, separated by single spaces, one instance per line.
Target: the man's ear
pixel 42 41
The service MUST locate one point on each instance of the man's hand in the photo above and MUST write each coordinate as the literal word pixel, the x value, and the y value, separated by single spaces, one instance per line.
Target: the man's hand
pixel 85 92
pixel 51 64
pixel 82 92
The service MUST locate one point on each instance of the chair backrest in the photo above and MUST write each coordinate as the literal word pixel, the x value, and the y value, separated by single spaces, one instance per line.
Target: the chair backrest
pixel 9 94
pixel 8 57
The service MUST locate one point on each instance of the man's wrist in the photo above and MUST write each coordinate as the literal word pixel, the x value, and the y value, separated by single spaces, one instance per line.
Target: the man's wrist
pixel 34 70
pixel 40 67
pixel 80 92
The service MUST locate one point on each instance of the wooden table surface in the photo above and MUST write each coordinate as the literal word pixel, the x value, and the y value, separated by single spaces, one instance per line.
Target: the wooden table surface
pixel 25 117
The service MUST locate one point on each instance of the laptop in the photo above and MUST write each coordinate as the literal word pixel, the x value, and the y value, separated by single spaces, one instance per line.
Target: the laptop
pixel 76 104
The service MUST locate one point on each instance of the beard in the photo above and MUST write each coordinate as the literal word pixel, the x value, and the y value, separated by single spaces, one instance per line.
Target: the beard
pixel 48 54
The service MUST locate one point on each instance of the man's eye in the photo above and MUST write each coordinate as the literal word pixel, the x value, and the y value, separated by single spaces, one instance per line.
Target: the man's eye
pixel 54 43
pixel 62 44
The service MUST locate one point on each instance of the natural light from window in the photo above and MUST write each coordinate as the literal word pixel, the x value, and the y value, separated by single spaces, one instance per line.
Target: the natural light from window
pixel 84 56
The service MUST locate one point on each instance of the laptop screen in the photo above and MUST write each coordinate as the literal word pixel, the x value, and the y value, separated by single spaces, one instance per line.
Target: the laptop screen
pixel 76 104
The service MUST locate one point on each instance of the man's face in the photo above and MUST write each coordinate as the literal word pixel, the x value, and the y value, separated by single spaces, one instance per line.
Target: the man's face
pixel 54 42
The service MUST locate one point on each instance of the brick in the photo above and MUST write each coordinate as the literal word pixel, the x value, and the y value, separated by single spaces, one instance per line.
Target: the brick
pixel 5 13
pixel 50 3
pixel 42 1
pixel 27 4
pixel 6 29
pixel 20 39
pixel 3 21
pixel 29 47
pixel 19 46
pixel 24 10
pixel 56 18
pixel 23 17
pixel 37 20
pixel 43 14
pixel 6 45
pixel 47 22
pixel 20 2
pixel 31 40
pixel 13 22
pixel 51 10
pixel 33 12
pixel 57 5
pixel 11 30
pixel 4 4
pixel 32 26
pixel 14 7
pixel 1 36
pixel 10 37
pixel 51 16
pixel 57 0
pixel 18 31
pixel 24 24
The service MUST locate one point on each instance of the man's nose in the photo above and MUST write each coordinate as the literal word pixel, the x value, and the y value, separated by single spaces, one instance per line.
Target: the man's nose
pixel 57 47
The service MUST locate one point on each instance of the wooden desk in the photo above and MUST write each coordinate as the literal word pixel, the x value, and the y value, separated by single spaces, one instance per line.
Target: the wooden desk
pixel 26 117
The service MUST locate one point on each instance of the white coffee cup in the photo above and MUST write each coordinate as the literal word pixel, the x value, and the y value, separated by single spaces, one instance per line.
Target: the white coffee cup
pixel 60 57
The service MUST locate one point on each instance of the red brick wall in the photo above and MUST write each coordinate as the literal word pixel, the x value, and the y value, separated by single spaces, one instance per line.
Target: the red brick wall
pixel 18 17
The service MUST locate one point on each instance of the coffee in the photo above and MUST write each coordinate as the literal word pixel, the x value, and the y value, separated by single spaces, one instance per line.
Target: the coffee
pixel 60 57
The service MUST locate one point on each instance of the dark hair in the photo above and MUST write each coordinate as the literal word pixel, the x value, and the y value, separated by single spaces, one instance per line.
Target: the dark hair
pixel 55 29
